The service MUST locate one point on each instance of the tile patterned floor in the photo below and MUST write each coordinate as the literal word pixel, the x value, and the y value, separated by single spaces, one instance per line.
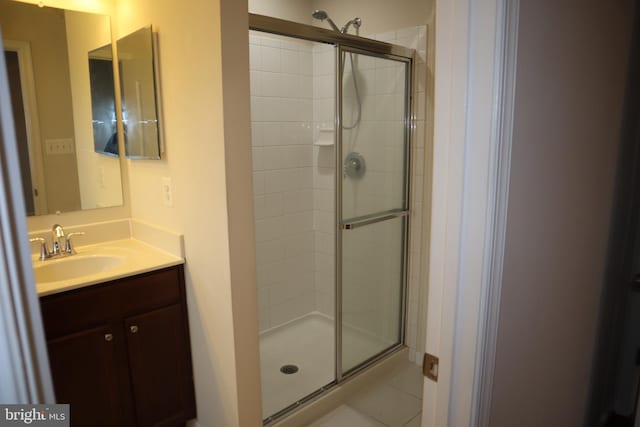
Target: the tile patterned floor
pixel 394 400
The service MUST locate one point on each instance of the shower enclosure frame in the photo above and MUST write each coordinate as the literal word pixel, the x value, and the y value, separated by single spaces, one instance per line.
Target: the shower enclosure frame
pixel 350 44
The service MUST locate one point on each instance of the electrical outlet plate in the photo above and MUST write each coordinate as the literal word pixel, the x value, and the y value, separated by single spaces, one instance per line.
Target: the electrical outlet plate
pixel 59 146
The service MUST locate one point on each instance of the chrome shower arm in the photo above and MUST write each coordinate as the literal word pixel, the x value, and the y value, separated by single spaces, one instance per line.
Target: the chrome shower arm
pixel 333 24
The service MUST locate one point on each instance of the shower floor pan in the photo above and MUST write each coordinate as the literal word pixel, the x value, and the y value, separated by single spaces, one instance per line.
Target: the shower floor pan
pixel 308 344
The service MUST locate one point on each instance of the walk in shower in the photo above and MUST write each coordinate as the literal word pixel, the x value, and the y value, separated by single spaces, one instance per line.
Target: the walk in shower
pixel 331 131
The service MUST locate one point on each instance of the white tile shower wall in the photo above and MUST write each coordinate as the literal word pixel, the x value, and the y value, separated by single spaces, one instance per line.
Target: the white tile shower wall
pixel 324 177
pixel 282 115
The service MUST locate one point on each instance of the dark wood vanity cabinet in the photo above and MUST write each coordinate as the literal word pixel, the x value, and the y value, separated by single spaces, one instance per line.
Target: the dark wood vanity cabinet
pixel 119 352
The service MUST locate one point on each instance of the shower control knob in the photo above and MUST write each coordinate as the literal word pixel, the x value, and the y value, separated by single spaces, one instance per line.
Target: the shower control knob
pixel 354 165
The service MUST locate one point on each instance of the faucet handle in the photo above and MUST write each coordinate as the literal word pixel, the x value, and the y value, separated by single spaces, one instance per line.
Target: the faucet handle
pixel 44 251
pixel 69 246
pixel 57 230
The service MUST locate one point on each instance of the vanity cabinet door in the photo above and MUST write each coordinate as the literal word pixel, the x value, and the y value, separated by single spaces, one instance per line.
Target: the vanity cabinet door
pixel 160 366
pixel 83 367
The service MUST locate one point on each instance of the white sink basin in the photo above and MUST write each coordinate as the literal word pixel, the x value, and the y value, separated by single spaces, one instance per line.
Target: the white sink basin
pixel 99 263
pixel 74 267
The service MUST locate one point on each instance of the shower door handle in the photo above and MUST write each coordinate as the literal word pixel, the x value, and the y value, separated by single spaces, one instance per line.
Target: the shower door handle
pixel 372 219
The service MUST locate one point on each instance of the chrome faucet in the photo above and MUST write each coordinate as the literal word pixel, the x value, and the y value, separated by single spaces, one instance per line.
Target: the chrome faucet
pixel 61 243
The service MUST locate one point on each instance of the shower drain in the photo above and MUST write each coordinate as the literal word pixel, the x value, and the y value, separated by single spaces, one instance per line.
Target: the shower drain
pixel 289 369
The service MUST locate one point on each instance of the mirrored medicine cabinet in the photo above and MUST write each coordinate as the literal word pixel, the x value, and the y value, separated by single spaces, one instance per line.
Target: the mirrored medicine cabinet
pixel 137 57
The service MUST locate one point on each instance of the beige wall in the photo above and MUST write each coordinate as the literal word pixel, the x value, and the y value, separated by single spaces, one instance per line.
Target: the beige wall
pixel 291 10
pixel 378 16
pixel 237 134
pixel 569 94
pixel 212 202
pixel 104 7
pixel 39 27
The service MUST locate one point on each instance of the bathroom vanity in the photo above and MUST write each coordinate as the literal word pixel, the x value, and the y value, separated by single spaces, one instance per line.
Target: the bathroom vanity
pixel 119 351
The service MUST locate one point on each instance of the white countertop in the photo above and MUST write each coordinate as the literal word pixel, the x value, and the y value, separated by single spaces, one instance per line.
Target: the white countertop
pixel 138 257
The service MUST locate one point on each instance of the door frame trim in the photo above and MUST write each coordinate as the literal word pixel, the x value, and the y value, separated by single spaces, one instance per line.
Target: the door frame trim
pixel 475 77
pixel 32 121
pixel 507 45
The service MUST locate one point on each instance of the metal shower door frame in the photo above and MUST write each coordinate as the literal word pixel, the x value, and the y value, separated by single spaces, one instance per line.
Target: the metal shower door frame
pixel 404 212
pixel 268 24
pixel 347 43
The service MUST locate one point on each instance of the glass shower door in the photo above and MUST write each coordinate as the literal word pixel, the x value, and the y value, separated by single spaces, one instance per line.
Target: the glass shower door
pixel 293 179
pixel 374 143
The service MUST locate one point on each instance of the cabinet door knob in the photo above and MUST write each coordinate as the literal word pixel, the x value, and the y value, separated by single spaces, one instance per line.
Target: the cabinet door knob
pixel 108 337
pixel 133 329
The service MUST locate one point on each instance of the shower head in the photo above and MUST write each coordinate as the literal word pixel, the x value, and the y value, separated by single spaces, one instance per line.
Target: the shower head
pixel 356 22
pixel 322 15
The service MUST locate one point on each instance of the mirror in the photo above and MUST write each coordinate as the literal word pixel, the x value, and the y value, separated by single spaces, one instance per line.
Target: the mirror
pixel 138 89
pixel 49 53
pixel 103 102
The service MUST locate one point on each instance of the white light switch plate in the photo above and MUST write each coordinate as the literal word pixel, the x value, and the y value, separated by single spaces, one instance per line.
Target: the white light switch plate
pixel 167 192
